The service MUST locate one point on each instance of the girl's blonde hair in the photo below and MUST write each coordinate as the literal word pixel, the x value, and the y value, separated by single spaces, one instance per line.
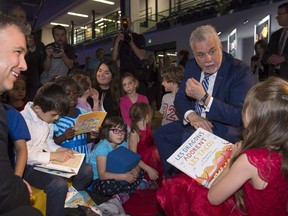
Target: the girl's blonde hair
pixel 132 77
pixel 267 107
pixel 138 112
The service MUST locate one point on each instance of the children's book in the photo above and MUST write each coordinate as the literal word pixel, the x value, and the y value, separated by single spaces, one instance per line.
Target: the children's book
pixel 87 122
pixel 75 198
pixel 202 156
pixel 65 169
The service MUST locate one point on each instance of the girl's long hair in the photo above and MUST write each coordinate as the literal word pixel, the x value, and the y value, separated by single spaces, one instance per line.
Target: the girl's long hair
pixel 115 86
pixel 137 113
pixel 266 105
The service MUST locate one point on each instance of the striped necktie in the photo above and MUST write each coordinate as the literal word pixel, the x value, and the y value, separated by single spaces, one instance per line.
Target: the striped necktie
pixel 205 84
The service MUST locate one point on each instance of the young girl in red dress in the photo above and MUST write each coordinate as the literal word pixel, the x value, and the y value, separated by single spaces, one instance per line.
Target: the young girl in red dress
pixel 141 140
pixel 256 180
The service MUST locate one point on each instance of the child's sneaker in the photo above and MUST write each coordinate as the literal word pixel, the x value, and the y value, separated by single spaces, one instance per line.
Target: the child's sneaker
pixel 122 197
pixel 143 185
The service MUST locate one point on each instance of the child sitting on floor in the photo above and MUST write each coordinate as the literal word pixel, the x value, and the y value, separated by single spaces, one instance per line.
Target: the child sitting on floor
pixel 141 140
pixel 84 92
pixel 255 181
pixel 16 97
pixel 64 133
pixel 49 103
pixel 113 135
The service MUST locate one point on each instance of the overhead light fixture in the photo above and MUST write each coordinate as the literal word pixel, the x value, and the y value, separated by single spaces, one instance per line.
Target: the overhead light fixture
pixel 77 14
pixel 245 21
pixel 219 33
pixel 105 2
pixel 65 25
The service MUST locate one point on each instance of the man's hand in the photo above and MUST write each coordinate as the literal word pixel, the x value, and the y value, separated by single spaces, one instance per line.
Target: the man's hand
pixel 119 37
pixel 49 50
pixel 276 59
pixel 60 54
pixel 197 121
pixel 194 89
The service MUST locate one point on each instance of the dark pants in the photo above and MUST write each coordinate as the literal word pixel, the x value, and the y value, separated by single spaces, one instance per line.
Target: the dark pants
pixel 56 187
pixel 168 138
pixel 110 187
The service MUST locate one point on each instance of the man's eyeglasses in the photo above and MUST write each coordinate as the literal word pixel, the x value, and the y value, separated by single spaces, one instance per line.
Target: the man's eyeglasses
pixel 117 131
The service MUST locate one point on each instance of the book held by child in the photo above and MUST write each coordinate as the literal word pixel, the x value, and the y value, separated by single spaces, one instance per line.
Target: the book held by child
pixel 87 122
pixel 66 169
pixel 202 156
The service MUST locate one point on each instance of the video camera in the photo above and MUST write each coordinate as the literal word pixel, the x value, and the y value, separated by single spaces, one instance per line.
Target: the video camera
pixel 125 29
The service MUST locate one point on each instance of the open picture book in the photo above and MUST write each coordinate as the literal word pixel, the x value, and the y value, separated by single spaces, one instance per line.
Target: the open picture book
pixel 75 198
pixel 87 122
pixel 66 169
pixel 202 156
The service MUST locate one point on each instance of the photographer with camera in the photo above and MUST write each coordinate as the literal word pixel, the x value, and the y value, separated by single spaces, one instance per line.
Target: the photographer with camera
pixel 59 56
pixel 129 47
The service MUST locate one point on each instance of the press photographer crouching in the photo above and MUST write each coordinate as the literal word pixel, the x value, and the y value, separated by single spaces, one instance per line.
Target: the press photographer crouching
pixel 129 48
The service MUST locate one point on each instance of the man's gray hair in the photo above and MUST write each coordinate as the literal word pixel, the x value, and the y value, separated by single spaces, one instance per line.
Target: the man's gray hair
pixel 202 33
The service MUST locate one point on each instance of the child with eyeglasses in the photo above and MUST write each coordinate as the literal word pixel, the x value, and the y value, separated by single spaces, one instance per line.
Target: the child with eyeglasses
pixel 113 134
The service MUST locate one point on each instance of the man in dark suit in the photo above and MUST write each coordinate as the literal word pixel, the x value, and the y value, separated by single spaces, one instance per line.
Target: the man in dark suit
pixel 14 191
pixel 215 106
pixel 276 55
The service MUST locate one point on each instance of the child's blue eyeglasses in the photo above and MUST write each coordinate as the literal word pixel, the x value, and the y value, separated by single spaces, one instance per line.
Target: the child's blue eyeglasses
pixel 117 131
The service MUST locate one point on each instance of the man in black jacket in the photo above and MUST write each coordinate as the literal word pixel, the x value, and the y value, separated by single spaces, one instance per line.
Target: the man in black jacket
pixel 14 191
pixel 276 54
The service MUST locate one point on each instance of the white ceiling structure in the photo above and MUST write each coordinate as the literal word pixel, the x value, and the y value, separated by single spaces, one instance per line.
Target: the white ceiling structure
pixel 83 7
pixel 43 12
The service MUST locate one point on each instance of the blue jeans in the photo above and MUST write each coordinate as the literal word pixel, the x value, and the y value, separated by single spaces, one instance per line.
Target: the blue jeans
pixel 168 138
pixel 56 187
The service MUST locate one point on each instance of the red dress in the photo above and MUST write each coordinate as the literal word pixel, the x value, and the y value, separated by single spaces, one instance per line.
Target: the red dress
pixel 181 195
pixel 148 151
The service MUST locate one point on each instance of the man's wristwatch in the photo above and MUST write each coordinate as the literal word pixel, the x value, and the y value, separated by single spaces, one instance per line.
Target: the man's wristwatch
pixel 203 99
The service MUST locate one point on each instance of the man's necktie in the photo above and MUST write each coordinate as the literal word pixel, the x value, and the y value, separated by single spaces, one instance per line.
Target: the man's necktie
pixel 205 84
pixel 282 41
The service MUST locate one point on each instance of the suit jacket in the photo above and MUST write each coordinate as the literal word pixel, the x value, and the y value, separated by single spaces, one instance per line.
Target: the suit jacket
pixel 273 49
pixel 13 191
pixel 233 81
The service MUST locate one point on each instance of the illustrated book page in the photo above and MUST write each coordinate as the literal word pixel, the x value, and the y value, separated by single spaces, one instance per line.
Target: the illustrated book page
pixel 66 169
pixel 75 198
pixel 87 122
pixel 202 156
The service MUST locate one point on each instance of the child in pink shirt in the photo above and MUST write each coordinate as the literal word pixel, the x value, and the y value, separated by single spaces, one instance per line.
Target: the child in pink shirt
pixel 129 86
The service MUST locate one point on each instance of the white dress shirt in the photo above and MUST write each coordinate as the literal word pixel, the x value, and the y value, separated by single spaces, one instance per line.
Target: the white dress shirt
pixel 206 109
